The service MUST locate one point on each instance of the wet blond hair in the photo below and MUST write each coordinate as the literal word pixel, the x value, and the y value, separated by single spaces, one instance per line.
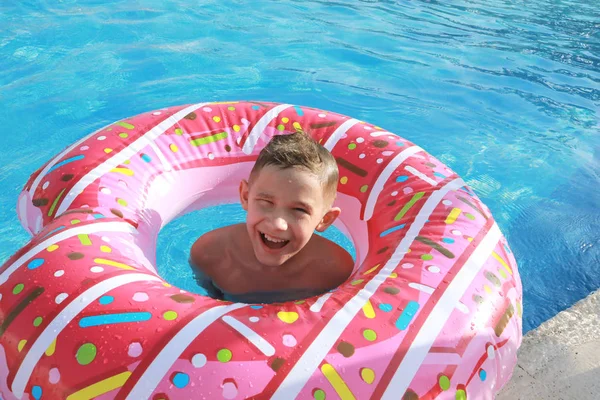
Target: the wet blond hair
pixel 299 150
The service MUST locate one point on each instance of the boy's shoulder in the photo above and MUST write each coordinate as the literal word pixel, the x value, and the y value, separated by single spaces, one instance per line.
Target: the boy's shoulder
pixel 211 247
pixel 333 263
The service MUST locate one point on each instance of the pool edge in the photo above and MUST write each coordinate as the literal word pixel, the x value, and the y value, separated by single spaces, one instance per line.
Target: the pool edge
pixel 561 358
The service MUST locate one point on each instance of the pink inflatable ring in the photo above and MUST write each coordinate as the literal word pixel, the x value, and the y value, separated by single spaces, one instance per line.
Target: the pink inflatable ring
pixel 432 310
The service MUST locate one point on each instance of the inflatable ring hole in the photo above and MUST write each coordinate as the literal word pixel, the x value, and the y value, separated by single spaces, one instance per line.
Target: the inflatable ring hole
pixel 176 238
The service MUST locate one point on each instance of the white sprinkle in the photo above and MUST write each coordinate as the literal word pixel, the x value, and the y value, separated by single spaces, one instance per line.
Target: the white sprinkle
pixel 359 140
pixel 60 298
pixel 96 269
pixel 253 319
pixel 101 137
pixel 407 265
pixel 361 156
pixel 59 273
pixel 434 269
pixel 45 185
pixel 199 360
pixel 395 193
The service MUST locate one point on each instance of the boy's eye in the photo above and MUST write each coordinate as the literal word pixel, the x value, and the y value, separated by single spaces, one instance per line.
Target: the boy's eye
pixel 302 210
pixel 264 201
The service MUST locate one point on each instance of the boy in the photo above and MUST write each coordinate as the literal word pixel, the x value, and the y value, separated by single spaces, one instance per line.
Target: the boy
pixel 274 256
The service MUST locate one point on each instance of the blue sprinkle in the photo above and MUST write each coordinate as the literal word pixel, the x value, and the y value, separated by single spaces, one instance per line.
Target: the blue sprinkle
pixel 402 178
pixel 439 175
pixel 256 107
pixel 98 216
pixel 399 144
pixel 482 375
pixel 407 315
pixel 60 228
pixel 256 307
pixel 392 229
pixel 298 111
pixel 385 307
pixel 181 380
pixel 64 162
pixel 448 240
pixel 104 300
pixel 36 392
pixel 146 157
pixel 35 263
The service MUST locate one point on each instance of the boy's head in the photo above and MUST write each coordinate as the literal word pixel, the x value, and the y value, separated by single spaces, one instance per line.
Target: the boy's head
pixel 290 193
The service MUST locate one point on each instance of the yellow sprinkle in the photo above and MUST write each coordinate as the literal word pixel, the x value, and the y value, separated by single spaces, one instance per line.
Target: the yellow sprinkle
pixel 357 282
pixel 21 345
pixel 501 261
pixel 101 387
pixel 104 261
pixel 122 202
pixel 368 310
pixel 127 162
pixel 519 309
pixel 51 349
pixel 216 118
pixel 367 375
pixel 231 108
pixel 340 387
pixel 107 150
pixel 236 128
pixel 174 148
pixel 297 125
pixel 123 135
pixel 84 239
pixel 393 275
pixel 165 284
pixel 52 248
pixel 344 180
pixel 372 269
pixel 124 171
pixel 487 289
pixel 502 273
pixel 105 249
pixel 451 218
pixel 285 120
pixel 75 221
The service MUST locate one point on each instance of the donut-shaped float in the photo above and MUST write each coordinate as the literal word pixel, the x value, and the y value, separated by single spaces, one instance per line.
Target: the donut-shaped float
pixel 432 310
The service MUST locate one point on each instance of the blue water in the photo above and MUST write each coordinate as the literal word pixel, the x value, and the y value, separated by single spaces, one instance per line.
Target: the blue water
pixel 505 92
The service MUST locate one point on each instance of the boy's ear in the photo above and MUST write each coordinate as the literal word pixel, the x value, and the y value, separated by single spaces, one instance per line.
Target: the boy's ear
pixel 328 219
pixel 244 194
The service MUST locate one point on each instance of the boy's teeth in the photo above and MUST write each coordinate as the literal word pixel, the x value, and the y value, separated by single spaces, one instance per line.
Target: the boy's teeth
pixel 272 239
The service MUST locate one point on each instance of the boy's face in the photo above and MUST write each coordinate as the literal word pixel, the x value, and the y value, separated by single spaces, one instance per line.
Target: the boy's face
pixel 284 206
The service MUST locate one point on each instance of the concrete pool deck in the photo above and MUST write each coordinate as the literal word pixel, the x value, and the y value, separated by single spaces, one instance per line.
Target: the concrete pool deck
pixel 561 358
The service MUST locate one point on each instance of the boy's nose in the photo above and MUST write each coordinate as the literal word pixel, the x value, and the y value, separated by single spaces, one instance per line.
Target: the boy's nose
pixel 280 224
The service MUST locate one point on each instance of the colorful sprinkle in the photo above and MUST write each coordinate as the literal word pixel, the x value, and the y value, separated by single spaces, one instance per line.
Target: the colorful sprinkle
pixel 444 382
pixel 367 375
pixel 344 180
pixel 319 394
pixel 352 146
pixel 224 355
pixel 209 139
pixel 37 321
pixel 54 376
pixel 86 353
pixel 408 206
pixel 482 374
pixel 364 188
pixel 369 334
pixel 170 315
pixel 18 288
pixel 289 340
pixel 60 298
pixel 461 395
pixel 64 162
pixel 199 360
pixel 407 315
pixel 392 230
pixel 51 248
pixel 288 317
pixel 180 380
pixel 385 307
pixel 135 349
pixel 21 345
pixel 140 297
pixel 110 319
pixel 340 387
pixel 125 125
pixel 51 349
pixel 36 392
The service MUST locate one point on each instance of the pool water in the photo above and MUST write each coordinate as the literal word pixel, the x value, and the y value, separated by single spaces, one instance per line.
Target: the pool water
pixel 505 92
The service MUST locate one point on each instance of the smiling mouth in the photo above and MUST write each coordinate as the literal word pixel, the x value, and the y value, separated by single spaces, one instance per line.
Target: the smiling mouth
pixel 273 242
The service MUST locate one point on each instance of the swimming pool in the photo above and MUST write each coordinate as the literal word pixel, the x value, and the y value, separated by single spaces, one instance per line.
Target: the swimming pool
pixel 505 93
